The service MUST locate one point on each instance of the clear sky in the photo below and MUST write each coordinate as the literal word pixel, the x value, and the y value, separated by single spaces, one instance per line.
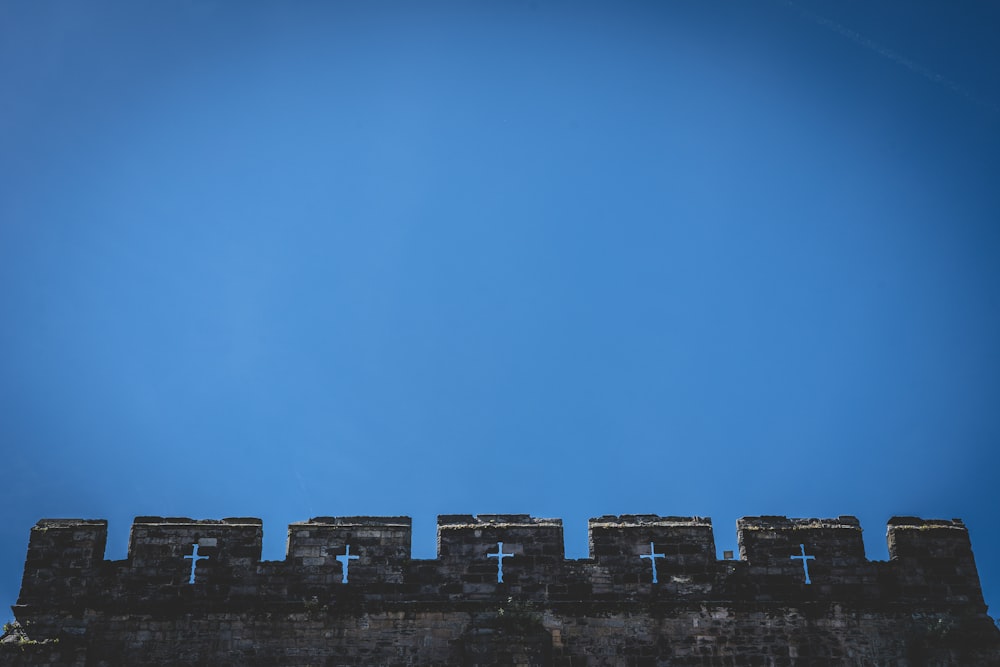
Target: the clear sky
pixel 568 259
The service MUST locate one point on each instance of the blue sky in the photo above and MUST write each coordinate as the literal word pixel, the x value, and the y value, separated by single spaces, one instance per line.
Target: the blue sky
pixel 568 259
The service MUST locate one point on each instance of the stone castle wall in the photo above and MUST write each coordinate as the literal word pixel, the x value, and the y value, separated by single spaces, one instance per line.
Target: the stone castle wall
pixel 501 591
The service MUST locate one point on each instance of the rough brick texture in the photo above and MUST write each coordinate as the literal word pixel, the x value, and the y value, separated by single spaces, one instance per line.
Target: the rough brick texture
pixel 922 608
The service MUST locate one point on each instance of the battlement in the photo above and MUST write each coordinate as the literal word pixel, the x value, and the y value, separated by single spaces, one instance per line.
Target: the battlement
pixel 641 567
pixel 645 555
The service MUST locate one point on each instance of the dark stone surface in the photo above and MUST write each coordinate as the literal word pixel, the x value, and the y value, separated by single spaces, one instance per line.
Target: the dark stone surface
pixel 923 607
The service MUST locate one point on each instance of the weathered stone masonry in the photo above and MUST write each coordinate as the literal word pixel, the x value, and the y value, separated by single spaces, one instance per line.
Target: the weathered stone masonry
pixel 922 607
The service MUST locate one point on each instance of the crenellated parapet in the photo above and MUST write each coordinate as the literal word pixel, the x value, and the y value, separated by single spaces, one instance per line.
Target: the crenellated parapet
pixel 499 584
pixel 486 555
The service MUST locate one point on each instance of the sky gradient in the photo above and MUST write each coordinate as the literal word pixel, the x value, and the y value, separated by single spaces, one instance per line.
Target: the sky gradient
pixel 567 259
